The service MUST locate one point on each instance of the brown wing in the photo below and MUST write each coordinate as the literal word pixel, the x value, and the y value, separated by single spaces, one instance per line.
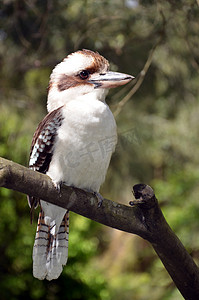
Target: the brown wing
pixel 43 144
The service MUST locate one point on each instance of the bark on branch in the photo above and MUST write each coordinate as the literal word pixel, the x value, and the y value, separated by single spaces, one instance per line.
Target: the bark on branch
pixel 143 218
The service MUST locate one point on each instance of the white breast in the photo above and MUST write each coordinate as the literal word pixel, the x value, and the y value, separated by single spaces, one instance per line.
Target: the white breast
pixel 84 144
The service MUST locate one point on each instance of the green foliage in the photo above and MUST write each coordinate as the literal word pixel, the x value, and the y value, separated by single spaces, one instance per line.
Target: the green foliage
pixel 158 138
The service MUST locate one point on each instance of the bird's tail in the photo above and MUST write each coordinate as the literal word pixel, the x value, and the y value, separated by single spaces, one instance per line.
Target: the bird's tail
pixel 50 251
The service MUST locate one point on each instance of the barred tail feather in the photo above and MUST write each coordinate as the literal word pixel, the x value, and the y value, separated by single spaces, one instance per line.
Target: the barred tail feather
pixel 50 251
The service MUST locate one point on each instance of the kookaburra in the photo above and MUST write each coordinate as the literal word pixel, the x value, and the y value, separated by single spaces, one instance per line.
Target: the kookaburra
pixel 73 145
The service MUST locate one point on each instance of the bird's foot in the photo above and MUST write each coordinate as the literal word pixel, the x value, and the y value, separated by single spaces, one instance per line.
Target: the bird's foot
pixel 99 197
pixel 58 185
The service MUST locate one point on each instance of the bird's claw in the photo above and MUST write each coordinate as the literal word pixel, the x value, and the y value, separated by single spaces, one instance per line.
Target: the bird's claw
pixel 99 197
pixel 58 186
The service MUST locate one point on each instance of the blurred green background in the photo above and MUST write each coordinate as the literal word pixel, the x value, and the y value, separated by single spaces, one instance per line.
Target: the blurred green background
pixel 158 132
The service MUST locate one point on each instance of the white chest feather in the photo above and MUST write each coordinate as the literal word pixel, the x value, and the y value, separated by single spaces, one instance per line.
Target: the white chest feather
pixel 84 144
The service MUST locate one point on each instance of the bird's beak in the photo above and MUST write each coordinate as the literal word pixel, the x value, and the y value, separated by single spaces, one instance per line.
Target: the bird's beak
pixel 109 79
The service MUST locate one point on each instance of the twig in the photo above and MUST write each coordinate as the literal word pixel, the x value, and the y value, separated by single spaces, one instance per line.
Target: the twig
pixel 139 81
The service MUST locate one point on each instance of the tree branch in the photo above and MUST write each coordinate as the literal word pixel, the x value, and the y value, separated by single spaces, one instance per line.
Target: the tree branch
pixel 144 219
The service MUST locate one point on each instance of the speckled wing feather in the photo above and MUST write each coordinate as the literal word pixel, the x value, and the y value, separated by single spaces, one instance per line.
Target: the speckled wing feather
pixel 42 145
pixel 50 250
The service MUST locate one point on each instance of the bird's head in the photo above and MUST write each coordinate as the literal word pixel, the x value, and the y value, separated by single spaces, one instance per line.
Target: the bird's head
pixel 82 73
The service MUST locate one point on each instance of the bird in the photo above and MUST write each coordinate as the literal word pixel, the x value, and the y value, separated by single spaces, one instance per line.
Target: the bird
pixel 73 145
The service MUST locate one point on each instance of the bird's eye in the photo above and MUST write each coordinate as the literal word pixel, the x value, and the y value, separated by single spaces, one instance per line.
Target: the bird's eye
pixel 84 74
